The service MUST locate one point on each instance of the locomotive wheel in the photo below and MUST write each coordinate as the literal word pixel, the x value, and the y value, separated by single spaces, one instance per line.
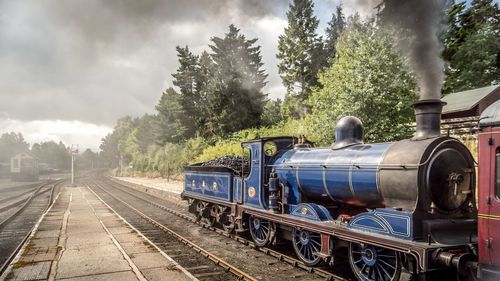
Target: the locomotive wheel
pixel 261 231
pixel 306 244
pixel 370 263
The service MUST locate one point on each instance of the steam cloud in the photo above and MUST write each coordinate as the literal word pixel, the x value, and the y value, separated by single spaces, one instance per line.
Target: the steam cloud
pixel 418 23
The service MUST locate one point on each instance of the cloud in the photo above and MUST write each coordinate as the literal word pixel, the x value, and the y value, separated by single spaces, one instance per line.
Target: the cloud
pixel 96 61
pixel 85 135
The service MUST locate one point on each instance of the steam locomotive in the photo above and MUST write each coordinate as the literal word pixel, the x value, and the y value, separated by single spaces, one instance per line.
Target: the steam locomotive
pixel 401 210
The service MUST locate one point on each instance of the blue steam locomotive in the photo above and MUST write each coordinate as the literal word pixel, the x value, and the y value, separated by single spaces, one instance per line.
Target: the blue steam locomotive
pixel 401 208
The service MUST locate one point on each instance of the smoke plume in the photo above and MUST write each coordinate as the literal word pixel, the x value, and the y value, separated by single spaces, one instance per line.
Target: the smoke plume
pixel 419 23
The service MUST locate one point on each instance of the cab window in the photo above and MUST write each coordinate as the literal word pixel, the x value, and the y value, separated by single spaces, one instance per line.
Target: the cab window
pixel 270 148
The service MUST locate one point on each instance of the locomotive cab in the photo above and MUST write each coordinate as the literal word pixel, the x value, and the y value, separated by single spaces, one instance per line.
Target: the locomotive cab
pixel 255 191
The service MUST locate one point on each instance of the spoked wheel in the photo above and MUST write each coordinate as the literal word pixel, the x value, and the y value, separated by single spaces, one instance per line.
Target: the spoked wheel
pixel 261 231
pixel 226 221
pixel 306 244
pixel 207 218
pixel 203 213
pixel 370 263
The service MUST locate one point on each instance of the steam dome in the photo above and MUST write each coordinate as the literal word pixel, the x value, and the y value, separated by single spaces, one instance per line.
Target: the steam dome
pixel 349 131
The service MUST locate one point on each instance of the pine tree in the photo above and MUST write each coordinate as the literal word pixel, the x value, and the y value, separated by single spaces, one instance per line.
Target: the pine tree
pixel 235 95
pixel 175 125
pixel 300 50
pixel 203 87
pixel 334 29
pixel 472 47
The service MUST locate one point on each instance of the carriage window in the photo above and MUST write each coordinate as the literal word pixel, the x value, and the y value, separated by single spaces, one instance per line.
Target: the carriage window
pixel 497 185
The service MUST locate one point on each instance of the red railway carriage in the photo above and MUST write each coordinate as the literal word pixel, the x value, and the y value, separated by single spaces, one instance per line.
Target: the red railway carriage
pixel 489 193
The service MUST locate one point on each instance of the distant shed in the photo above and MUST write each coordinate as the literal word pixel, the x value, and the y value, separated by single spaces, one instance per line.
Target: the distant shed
pixel 462 110
pixel 24 167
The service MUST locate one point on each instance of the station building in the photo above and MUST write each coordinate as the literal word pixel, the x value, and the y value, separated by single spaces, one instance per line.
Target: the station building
pixel 24 167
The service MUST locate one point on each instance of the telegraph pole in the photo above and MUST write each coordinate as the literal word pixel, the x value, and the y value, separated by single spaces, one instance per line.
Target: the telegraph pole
pixel 121 165
pixel 74 151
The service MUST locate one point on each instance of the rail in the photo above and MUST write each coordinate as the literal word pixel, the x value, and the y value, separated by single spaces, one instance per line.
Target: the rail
pixel 281 257
pixel 218 261
pixel 13 254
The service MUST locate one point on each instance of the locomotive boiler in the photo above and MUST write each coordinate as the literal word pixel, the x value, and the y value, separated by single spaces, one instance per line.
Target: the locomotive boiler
pixel 431 176
pixel 404 207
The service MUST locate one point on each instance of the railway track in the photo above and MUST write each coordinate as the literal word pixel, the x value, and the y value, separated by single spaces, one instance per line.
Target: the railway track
pixel 8 194
pixel 237 249
pixel 201 263
pixel 19 218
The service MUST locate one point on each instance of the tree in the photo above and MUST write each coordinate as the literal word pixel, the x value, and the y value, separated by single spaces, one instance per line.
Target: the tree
pixel 175 124
pixel 367 79
pixel 235 99
pixel 113 144
pixel 334 29
pixel 272 113
pixel 186 78
pixel 472 46
pixel 10 145
pixel 147 128
pixel 203 87
pixel 300 52
pixel 88 160
pixel 55 155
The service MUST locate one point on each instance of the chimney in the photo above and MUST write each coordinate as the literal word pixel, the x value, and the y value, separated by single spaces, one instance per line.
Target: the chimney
pixel 428 118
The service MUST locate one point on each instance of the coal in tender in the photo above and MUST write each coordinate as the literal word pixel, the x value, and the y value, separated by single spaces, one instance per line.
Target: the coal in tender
pixel 237 164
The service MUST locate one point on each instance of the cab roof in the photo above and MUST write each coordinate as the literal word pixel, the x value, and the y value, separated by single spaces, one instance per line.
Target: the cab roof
pixel 290 138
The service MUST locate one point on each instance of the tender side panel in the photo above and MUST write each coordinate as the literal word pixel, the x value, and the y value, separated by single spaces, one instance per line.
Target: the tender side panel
pixel 217 185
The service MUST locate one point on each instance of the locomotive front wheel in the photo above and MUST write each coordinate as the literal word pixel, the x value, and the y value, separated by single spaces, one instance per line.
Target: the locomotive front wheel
pixel 306 244
pixel 370 263
pixel 261 231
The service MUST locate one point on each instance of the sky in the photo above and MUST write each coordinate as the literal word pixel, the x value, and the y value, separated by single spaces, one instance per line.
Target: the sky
pixel 69 69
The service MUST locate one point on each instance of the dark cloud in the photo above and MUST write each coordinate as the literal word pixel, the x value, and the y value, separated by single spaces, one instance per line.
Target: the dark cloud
pixel 98 60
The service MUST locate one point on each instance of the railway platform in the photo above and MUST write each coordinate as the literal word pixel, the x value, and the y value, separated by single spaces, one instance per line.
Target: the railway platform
pixel 82 238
